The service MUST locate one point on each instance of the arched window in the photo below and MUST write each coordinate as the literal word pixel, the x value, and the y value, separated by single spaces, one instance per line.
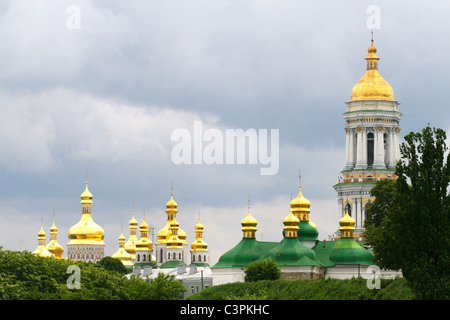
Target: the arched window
pixel 348 208
pixel 370 149
pixel 193 258
pixel 138 257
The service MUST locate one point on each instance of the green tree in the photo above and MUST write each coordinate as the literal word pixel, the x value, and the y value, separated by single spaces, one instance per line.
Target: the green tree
pixel 113 264
pixel 266 269
pixel 414 234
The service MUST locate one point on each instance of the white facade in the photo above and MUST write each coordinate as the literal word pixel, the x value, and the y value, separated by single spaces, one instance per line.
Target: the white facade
pixel 372 151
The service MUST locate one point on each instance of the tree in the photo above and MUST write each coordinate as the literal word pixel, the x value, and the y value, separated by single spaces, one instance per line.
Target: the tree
pixel 266 269
pixel 163 287
pixel 113 264
pixel 414 234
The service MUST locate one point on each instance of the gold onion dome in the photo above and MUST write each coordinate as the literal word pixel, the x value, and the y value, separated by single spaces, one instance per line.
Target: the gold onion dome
pixel 249 224
pixel 130 245
pixel 165 233
pixel 347 226
pixel 372 85
pixel 86 231
pixel 291 225
pixel 54 247
pixel 122 254
pixel 199 244
pixel 300 206
pixel 41 250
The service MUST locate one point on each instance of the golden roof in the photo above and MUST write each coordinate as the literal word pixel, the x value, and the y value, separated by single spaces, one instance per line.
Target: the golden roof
pixel 199 244
pixel 372 85
pixel 86 231
pixel 54 247
pixel 165 233
pixel 122 254
pixel 144 244
pixel 291 221
pixel 41 250
pixel 291 225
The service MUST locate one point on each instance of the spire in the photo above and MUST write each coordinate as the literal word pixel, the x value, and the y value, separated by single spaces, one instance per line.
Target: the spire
pixel 86 196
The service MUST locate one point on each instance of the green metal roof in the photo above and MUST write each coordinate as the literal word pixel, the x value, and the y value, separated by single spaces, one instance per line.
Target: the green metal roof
pixel 347 250
pixel 172 264
pixel 291 252
pixel 246 251
pixel 307 231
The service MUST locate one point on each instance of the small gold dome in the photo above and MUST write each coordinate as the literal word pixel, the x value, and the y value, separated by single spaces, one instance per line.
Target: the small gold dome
pixel 372 86
pixel 291 220
pixel 122 254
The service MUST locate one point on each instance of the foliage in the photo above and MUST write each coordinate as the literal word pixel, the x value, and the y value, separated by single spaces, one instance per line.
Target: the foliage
pixel 24 276
pixel 414 234
pixel 163 287
pixel 308 289
pixel 266 269
pixel 113 264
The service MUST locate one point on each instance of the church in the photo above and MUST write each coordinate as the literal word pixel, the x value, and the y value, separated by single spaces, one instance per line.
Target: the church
pixel 372 150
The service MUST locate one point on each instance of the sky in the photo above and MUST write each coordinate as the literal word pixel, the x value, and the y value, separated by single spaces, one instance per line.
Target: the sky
pixel 103 85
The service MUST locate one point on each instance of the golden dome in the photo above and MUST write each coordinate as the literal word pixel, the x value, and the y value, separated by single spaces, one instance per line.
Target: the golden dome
pixel 174 241
pixel 130 245
pixel 300 205
pixel 54 247
pixel 86 231
pixel 199 244
pixel 347 226
pixel 144 243
pixel 249 224
pixel 291 225
pixel 122 254
pixel 291 220
pixel 41 250
pixel 372 85
pixel 165 233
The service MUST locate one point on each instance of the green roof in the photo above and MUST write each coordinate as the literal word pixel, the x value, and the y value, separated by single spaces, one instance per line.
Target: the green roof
pixel 307 231
pixel 172 264
pixel 246 251
pixel 323 250
pixel 347 250
pixel 291 252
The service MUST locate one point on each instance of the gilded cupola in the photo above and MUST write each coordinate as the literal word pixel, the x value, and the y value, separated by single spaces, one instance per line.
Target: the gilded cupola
pixel 122 254
pixel 130 245
pixel 199 244
pixel 54 247
pixel 41 250
pixel 372 86
pixel 86 231
pixel 249 225
pixel 165 234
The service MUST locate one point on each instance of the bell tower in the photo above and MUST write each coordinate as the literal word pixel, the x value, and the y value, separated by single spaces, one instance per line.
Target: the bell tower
pixel 372 142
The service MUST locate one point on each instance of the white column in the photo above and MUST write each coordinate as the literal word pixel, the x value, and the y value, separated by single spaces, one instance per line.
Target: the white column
pixel 392 160
pixel 347 148
pixel 364 144
pixel 397 144
pixel 359 149
pixel 351 149
pixel 379 150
